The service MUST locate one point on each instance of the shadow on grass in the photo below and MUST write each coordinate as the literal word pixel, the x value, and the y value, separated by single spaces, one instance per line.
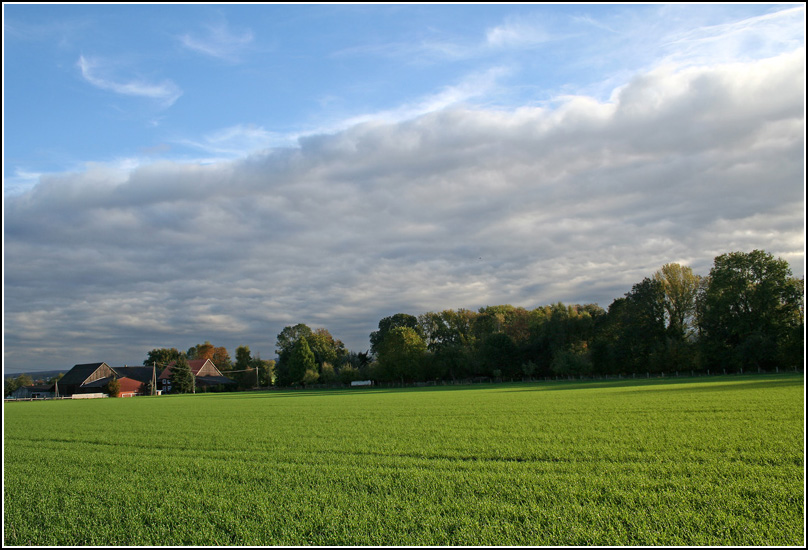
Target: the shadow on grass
pixel 682 383
pixel 696 383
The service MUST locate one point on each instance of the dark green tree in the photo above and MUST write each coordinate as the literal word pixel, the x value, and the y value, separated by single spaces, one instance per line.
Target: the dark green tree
pixel 401 355
pixel 328 374
pixel 450 339
pixel 632 336
pixel 288 338
pixel 161 356
pixel 182 379
pixel 299 361
pixel 326 348
pixel 751 313
pixel 266 370
pixel 561 335
pixel 499 355
pixel 348 373
pixel 388 324
pixel 243 372
pixel 360 363
pixel 285 344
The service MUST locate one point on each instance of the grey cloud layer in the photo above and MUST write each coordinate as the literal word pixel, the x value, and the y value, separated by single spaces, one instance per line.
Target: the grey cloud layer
pixel 457 208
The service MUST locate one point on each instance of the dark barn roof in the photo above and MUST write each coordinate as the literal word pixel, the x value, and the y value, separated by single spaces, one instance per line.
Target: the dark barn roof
pixel 141 374
pixel 79 373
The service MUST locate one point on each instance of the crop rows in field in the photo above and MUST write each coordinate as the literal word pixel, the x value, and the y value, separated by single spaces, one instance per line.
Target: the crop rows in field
pixel 687 462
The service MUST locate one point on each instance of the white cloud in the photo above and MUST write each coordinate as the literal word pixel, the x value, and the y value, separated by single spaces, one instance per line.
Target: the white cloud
pixel 237 140
pixel 518 33
pixel 219 41
pixel 474 86
pixel 166 92
pixel 753 38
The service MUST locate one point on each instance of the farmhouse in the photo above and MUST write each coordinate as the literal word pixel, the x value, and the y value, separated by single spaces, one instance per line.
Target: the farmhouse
pixel 205 375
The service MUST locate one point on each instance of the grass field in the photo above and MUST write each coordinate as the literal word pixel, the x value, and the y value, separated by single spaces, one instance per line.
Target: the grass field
pixel 716 461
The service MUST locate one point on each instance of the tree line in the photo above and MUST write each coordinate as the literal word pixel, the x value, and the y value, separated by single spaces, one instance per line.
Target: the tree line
pixel 746 314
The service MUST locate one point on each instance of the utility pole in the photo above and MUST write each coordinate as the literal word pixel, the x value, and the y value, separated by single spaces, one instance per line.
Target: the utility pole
pixel 154 378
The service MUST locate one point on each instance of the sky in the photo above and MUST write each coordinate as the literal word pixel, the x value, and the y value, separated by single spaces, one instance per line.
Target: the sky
pixel 175 174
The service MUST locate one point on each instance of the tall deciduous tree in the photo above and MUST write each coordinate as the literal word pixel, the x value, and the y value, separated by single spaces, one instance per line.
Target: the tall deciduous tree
pixel 221 359
pixel 284 346
pixel 161 356
pixel 299 362
pixel 631 337
pixel 201 351
pixel 388 324
pixel 681 287
pixel 499 355
pixel 401 355
pixel 244 374
pixel 289 336
pixel 326 348
pixel 751 312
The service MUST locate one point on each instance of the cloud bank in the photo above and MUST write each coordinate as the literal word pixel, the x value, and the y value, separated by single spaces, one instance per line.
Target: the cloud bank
pixel 454 208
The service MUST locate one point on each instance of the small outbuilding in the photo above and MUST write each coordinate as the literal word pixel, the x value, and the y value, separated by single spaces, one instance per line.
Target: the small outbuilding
pixel 34 392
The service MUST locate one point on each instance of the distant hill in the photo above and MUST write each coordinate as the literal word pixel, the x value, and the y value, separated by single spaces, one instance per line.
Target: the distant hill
pixel 38 375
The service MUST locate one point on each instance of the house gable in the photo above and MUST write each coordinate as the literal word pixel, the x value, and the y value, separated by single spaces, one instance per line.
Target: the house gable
pixel 199 367
pixel 85 373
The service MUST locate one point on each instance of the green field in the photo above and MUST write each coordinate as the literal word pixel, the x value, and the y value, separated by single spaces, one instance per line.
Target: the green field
pixel 709 461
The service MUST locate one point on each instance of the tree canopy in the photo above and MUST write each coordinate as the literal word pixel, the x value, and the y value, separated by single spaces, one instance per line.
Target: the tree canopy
pixel 751 313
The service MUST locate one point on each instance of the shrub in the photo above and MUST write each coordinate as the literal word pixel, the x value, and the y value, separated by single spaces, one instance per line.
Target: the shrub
pixel 113 387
